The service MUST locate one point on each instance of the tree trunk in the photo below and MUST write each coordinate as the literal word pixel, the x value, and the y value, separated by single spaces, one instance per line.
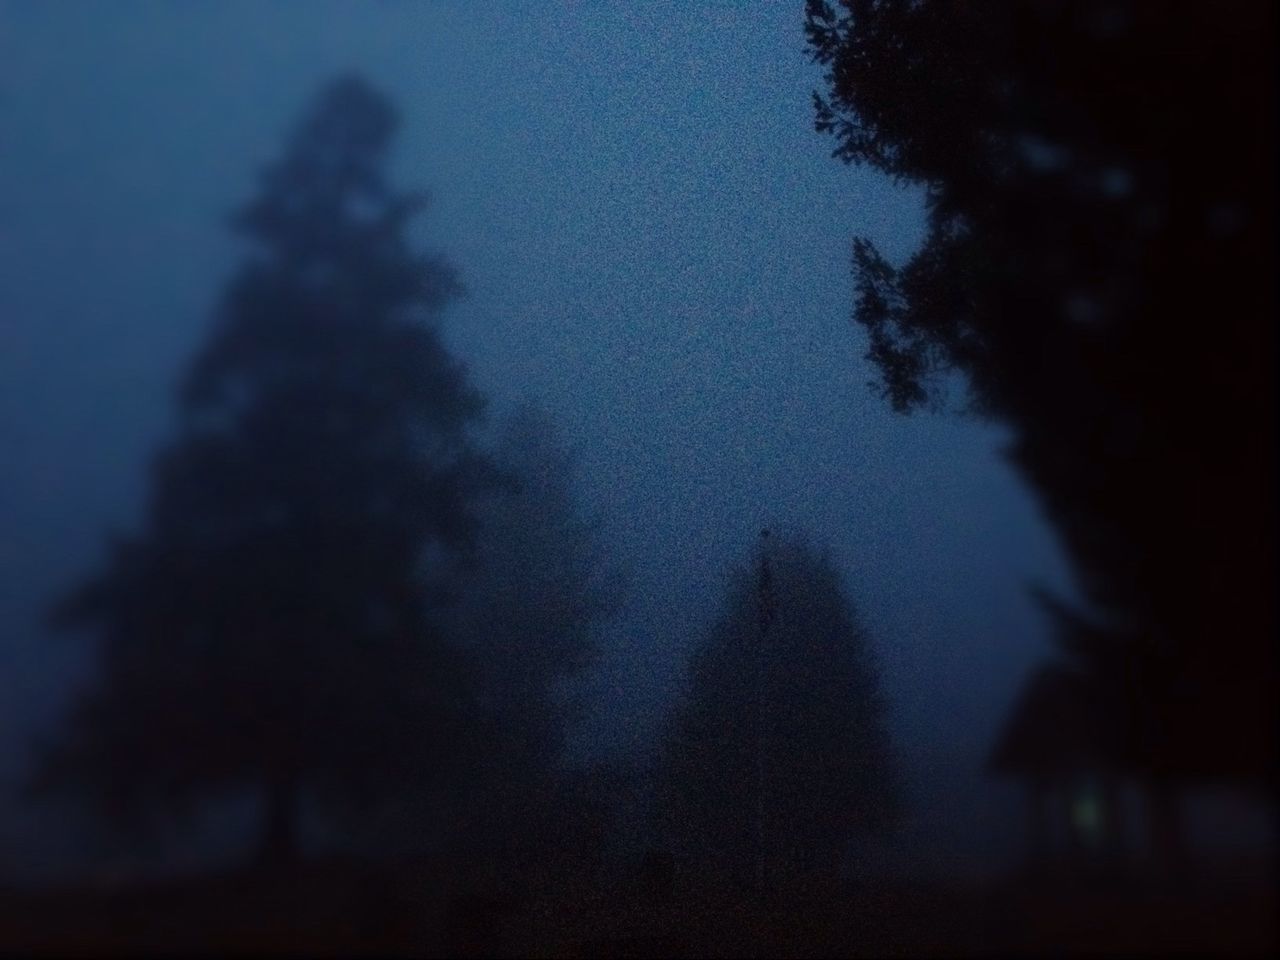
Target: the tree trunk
pixel 279 842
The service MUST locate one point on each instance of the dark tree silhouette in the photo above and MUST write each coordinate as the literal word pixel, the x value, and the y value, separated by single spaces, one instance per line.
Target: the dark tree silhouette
pixel 272 624
pixel 779 755
pixel 1099 266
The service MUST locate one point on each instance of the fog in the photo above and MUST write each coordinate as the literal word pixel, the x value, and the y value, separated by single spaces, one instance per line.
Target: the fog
pixel 655 246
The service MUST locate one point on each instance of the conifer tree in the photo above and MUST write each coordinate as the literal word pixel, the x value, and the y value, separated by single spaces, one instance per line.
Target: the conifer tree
pixel 779 756
pixel 273 624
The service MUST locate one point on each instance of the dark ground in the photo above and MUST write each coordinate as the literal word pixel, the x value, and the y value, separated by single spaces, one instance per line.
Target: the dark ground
pixel 342 909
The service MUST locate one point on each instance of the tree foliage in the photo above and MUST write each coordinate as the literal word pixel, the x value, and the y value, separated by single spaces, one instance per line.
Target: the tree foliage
pixel 538 586
pixel 804 709
pixel 274 623
pixel 1099 265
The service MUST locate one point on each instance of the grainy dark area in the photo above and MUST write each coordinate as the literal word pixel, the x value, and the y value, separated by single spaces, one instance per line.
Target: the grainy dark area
pixel 546 479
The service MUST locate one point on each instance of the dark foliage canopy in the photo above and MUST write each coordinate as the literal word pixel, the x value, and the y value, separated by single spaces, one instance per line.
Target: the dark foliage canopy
pixel 1099 266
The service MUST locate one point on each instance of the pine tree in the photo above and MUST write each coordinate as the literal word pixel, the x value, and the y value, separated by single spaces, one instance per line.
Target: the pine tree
pixel 779 756
pixel 273 624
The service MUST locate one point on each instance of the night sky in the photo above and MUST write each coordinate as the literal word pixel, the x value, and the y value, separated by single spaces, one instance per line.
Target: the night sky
pixel 656 247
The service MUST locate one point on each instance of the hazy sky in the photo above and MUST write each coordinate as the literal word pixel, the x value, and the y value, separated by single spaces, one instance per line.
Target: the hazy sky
pixel 656 245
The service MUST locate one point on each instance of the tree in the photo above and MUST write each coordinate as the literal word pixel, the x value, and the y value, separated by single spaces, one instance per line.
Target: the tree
pixel 538 586
pixel 779 754
pixel 1099 267
pixel 274 623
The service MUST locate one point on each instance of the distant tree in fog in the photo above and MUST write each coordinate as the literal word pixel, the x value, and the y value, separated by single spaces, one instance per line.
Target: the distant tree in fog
pixel 274 623
pixel 528 608
pixel 816 738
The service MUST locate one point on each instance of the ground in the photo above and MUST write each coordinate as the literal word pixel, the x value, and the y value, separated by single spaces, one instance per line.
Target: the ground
pixel 346 909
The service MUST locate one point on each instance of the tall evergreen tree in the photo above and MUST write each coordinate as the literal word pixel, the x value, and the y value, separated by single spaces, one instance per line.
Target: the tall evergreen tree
pixel 1100 267
pixel 273 623
pixel 779 755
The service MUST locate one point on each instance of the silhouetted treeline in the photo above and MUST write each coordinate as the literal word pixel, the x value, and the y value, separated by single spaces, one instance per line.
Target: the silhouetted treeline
pixel 366 603
pixel 349 602
pixel 352 602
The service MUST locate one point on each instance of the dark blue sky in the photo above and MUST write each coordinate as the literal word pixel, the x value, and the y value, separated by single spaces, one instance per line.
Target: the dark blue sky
pixel 656 245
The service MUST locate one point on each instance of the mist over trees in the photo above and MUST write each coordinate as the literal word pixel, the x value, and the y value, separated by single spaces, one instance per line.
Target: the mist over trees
pixel 1099 267
pixel 385 615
